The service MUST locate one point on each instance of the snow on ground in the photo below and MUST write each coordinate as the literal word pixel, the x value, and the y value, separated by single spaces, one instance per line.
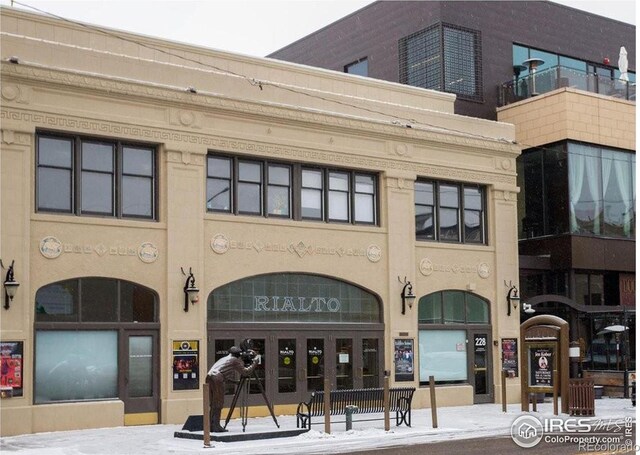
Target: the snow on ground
pixel 460 422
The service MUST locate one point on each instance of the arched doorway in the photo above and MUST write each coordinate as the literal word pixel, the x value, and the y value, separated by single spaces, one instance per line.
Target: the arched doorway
pixel 305 328
pixel 97 339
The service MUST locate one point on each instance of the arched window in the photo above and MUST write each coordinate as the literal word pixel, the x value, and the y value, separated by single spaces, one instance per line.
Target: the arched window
pixel 292 297
pixel 453 307
pixel 95 300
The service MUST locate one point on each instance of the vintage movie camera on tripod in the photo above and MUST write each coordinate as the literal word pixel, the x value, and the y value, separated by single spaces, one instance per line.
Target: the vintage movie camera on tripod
pixel 248 356
pixel 247 353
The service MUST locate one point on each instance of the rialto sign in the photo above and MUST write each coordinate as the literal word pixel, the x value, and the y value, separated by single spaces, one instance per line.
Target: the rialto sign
pixel 296 304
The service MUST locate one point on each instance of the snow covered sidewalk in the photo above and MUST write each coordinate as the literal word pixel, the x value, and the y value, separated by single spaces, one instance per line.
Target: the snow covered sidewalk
pixel 461 422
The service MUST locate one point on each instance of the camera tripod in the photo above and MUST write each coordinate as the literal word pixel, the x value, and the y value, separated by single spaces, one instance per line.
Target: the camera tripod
pixel 242 392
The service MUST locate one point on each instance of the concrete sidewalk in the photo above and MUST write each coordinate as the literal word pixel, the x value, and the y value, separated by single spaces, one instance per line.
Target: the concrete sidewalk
pixel 461 422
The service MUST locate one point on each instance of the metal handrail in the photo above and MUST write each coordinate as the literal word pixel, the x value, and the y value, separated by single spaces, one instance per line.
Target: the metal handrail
pixel 556 77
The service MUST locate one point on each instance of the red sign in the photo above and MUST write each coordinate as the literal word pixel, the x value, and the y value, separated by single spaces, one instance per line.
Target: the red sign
pixel 627 289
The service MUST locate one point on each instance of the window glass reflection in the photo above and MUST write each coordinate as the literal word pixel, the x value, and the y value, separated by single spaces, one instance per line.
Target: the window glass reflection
pixel 75 365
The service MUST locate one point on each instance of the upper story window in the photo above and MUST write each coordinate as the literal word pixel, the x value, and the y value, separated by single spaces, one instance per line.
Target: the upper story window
pixel 244 186
pixel 443 57
pixel 90 176
pixel 577 188
pixel 359 67
pixel 450 212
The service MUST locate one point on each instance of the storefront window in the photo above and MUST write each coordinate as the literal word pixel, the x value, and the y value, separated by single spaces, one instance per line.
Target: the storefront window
pixel 289 297
pixel 443 355
pixel 76 366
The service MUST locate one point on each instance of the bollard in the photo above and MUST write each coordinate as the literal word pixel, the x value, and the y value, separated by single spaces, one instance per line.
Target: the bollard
pixel 385 399
pixel 434 408
pixel 206 416
pixel 349 411
pixel 327 406
pixel 503 386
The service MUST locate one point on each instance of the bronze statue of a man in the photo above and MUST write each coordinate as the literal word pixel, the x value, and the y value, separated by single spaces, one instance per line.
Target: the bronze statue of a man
pixel 225 370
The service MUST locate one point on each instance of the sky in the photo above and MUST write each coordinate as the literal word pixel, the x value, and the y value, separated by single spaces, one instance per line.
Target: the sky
pixel 250 27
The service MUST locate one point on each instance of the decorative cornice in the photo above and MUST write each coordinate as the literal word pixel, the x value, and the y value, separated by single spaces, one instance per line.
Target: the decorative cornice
pixel 130 88
pixel 284 152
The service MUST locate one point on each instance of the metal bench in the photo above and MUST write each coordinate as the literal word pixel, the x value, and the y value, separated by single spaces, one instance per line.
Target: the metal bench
pixel 367 400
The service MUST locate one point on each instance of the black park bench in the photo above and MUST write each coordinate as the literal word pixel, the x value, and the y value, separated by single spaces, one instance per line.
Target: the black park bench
pixel 367 400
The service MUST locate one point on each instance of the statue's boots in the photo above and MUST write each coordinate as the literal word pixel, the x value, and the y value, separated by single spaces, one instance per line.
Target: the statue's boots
pixel 215 421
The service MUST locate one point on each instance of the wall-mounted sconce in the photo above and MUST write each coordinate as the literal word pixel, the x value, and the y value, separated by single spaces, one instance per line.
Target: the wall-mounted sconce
pixel 513 299
pixel 190 289
pixel 10 285
pixel 407 294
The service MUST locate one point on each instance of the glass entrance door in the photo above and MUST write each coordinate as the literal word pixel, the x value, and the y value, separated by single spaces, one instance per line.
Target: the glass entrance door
pixel 139 378
pixel 293 364
pixel 314 371
pixel 481 371
pixel 345 363
pixel 371 363
pixel 287 386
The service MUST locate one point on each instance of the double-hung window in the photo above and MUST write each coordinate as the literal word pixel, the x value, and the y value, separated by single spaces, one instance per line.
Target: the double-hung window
pixel 250 187
pixel 339 184
pixel 450 212
pixel 311 194
pixel 289 190
pixel 88 176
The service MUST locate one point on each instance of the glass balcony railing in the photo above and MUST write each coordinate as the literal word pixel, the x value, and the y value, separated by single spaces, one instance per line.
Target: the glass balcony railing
pixel 560 76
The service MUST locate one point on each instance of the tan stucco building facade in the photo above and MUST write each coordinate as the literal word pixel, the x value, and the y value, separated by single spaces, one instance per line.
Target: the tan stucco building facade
pixel 180 122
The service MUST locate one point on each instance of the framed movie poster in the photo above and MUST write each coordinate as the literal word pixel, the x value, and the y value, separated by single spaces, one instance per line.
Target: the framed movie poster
pixel 403 359
pixel 185 365
pixel 510 355
pixel 541 366
pixel 11 368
